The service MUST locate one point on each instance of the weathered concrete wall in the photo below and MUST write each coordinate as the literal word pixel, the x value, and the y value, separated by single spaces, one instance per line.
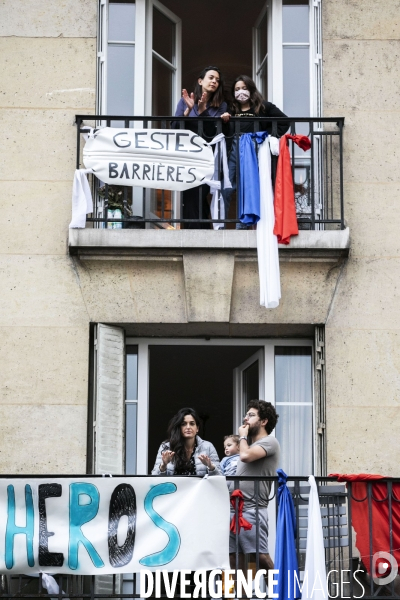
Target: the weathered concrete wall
pixel 361 49
pixel 48 56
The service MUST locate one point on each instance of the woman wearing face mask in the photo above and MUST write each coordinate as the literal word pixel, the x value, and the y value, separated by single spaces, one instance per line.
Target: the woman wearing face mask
pixel 207 100
pixel 248 102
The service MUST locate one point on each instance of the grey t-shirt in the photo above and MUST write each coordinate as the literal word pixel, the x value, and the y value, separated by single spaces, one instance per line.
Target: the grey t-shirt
pixel 263 467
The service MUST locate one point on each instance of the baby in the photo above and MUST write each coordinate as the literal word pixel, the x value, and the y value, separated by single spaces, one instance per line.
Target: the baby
pixel 229 462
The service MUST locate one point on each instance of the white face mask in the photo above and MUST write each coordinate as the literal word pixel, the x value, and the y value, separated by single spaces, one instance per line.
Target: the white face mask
pixel 242 96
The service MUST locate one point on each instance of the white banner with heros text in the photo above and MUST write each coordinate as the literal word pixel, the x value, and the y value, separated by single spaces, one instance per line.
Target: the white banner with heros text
pixel 93 526
pixel 169 159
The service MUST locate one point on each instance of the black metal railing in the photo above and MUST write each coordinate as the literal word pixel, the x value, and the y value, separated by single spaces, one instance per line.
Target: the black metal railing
pixel 348 572
pixel 317 175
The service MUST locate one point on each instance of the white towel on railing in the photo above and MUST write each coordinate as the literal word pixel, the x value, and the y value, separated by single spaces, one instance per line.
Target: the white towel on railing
pixel 51 585
pixel 315 569
pixel 267 242
pixel 82 202
pixel 220 161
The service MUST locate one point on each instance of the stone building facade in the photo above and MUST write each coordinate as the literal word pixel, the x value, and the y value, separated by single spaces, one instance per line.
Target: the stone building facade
pixel 339 286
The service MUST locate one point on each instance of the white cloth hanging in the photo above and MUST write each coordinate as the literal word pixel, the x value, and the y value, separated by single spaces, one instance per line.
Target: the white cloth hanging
pixel 220 160
pixel 82 202
pixel 50 584
pixel 315 570
pixel 267 242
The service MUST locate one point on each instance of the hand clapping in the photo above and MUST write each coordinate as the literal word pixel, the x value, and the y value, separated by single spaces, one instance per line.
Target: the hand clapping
pixel 206 460
pixel 167 456
pixel 202 103
pixel 189 100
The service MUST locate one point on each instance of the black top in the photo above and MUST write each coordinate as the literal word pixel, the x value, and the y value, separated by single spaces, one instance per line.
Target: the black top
pixel 190 467
pixel 267 110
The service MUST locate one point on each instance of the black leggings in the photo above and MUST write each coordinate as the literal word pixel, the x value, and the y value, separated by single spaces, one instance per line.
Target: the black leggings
pixel 191 201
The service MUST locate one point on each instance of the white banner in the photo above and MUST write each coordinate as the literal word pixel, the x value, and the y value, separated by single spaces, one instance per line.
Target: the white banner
pixel 94 526
pixel 169 159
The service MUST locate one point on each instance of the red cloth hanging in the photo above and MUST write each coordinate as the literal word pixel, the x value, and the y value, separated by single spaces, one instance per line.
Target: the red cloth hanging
pixel 379 515
pixel 241 520
pixel 284 204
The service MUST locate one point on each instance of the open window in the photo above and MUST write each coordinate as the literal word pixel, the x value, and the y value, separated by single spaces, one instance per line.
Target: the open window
pixel 248 384
pixel 149 50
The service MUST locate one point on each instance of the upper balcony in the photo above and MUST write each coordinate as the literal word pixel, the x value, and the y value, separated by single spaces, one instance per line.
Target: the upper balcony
pixel 130 220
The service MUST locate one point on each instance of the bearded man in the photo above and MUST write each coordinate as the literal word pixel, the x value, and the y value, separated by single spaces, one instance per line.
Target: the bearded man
pixel 260 457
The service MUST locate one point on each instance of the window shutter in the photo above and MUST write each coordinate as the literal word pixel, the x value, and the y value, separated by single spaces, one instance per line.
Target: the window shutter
pixel 320 400
pixel 109 418
pixel 109 411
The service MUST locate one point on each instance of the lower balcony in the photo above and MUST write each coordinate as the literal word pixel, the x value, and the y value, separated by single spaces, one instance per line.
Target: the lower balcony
pixel 360 531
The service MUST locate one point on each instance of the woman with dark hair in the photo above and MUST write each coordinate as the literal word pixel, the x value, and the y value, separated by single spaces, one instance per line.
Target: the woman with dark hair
pixel 207 100
pixel 184 452
pixel 248 102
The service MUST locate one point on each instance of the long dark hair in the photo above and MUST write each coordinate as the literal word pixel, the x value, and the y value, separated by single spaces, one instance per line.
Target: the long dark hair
pixel 176 443
pixel 217 97
pixel 256 99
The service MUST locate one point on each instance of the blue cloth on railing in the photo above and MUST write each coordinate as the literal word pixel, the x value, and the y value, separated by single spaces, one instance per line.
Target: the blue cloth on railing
pixel 249 183
pixel 285 549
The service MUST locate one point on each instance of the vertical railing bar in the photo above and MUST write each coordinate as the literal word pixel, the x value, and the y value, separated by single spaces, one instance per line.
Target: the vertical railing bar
pixel 336 541
pixel 105 215
pixel 237 140
pixel 220 178
pixel 341 173
pixel 389 493
pixel 297 496
pixel 293 132
pixel 257 490
pixel 125 202
pixel 331 143
pixel 237 531
pixel 78 141
pixel 369 498
pixel 125 199
pixel 312 186
pixel 60 587
pixel 325 162
pixel 350 530
pixel 200 203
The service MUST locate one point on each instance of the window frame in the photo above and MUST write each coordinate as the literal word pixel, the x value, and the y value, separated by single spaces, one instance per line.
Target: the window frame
pixel 268 394
pixel 275 53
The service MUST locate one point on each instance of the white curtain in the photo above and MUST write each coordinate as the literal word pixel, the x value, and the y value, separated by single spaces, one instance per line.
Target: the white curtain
pixel 293 389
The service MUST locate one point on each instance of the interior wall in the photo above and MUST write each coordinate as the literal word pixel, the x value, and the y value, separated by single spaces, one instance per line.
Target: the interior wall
pixel 196 376
pixel 216 33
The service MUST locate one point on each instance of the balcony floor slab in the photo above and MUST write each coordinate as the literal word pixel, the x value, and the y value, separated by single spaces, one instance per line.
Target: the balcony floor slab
pixel 121 244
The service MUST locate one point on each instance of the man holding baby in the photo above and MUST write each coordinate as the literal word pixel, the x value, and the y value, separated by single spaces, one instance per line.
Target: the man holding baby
pixel 258 456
